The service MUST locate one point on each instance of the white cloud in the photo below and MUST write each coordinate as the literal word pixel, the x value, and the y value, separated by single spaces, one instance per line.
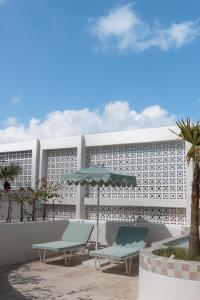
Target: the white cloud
pixel 15 99
pixel 123 29
pixel 115 116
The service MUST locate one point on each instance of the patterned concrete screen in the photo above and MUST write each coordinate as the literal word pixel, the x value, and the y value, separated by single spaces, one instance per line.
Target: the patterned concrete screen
pixel 61 161
pixel 61 211
pixel 160 172
pixel 24 160
pixel 138 214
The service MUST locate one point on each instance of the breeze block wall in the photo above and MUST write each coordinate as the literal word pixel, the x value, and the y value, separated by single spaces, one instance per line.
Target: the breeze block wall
pixel 154 155
pixel 58 157
pixel 26 156
pixel 160 171
pixel 62 161
pixel 24 160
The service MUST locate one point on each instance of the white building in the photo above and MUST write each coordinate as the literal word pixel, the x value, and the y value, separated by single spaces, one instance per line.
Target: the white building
pixel 155 156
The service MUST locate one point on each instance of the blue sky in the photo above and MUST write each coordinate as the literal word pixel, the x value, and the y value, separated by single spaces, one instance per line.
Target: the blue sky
pixel 117 63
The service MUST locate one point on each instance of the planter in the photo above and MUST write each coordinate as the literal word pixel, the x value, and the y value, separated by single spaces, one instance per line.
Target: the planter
pixel 162 278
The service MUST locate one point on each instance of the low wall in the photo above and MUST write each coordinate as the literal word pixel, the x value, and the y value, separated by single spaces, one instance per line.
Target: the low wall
pixel 157 232
pixel 153 286
pixel 15 211
pixel 16 239
pixel 167 278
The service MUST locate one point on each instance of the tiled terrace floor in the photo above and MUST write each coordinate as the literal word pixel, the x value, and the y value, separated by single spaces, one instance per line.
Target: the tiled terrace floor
pixel 78 281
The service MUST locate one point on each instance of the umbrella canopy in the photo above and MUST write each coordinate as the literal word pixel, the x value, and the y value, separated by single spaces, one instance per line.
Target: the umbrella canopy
pixel 99 176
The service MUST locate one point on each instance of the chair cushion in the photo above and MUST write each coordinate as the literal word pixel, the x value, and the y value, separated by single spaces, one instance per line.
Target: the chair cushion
pixel 77 232
pixel 131 236
pixel 57 246
pixel 115 252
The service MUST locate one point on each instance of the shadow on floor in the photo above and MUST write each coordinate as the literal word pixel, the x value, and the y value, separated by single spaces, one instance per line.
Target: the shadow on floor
pixel 76 260
pixel 6 290
pixel 119 269
pixel 10 276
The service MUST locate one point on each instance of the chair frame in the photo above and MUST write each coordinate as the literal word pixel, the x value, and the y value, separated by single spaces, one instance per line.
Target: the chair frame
pixel 67 254
pixel 127 260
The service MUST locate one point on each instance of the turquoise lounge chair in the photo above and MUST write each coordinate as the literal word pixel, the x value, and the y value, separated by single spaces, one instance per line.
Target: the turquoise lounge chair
pixel 74 238
pixel 128 242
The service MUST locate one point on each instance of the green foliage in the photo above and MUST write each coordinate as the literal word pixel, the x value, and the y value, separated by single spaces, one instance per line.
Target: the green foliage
pixel 178 253
pixel 190 132
pixel 7 173
pixel 47 190
pixel 22 195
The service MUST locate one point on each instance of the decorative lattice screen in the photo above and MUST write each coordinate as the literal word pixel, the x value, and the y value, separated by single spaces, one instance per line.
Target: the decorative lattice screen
pixel 61 211
pixel 160 172
pixel 158 167
pixel 139 214
pixel 24 160
pixel 61 161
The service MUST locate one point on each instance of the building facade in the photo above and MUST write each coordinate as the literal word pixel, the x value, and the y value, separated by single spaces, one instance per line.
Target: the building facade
pixel 155 156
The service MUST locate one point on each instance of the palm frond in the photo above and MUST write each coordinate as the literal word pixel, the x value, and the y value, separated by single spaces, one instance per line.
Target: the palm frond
pixel 190 132
pixel 9 172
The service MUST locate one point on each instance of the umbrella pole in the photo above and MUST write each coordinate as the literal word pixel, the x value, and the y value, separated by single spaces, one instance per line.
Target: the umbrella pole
pixel 98 196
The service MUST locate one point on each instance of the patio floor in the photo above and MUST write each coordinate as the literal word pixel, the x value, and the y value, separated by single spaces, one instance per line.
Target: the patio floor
pixel 78 281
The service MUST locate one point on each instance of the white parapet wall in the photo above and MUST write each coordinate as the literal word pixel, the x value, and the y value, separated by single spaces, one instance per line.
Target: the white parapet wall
pixel 154 286
pixel 108 231
pixel 16 239
pixel 168 278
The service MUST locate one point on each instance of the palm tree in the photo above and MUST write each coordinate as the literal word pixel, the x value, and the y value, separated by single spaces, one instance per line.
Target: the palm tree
pixel 190 132
pixel 7 175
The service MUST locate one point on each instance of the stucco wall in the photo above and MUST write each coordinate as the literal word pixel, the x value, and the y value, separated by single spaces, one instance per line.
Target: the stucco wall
pixel 154 286
pixel 16 239
pixel 157 232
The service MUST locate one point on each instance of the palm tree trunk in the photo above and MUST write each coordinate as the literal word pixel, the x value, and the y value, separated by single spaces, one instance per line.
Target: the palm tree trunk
pixel 53 208
pixel 194 246
pixel 44 211
pixel 22 211
pixel 8 220
pixel 33 209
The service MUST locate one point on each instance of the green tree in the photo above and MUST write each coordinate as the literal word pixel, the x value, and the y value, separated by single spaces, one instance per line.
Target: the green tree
pixel 46 191
pixel 23 196
pixel 7 175
pixel 190 132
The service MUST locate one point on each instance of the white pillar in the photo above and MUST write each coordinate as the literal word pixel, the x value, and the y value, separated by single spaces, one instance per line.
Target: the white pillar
pixel 81 163
pixel 35 163
pixel 43 164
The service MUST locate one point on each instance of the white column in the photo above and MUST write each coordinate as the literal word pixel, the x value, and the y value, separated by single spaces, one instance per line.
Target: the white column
pixel 43 164
pixel 35 162
pixel 189 176
pixel 81 163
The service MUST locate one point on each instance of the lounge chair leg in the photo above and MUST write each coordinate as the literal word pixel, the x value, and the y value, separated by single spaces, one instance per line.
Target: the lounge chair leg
pixel 128 264
pixel 97 263
pixel 42 257
pixel 67 258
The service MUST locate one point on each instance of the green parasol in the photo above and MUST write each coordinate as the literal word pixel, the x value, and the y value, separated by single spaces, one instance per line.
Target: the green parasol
pixel 99 176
